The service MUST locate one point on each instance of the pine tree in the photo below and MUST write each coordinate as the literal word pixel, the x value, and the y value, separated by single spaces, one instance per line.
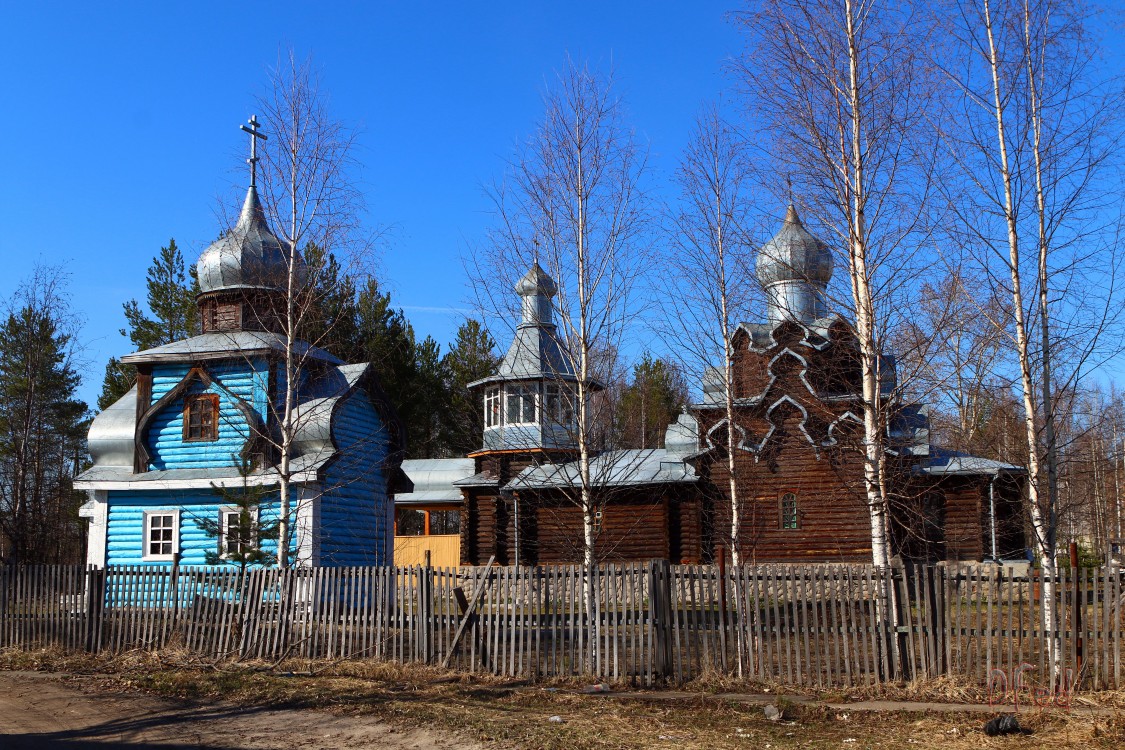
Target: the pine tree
pixel 171 291
pixel 42 426
pixel 471 357
pixel 650 403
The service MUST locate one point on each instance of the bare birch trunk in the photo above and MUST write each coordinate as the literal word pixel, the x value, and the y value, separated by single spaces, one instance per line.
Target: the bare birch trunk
pixel 1041 523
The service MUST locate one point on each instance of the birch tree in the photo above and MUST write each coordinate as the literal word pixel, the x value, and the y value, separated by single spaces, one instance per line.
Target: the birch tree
pixel 709 290
pixel 311 198
pixel 838 94
pixel 572 201
pixel 1034 151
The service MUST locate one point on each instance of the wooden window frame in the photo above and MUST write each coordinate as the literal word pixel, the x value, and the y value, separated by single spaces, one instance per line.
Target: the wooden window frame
pixel 146 528
pixel 781 521
pixel 211 398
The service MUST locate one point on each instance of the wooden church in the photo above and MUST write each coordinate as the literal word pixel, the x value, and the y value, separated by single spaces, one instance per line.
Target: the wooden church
pixel 206 409
pixel 798 458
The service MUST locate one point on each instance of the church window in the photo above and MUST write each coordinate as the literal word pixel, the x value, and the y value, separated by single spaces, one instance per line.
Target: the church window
pixel 201 417
pixel 557 405
pixel 492 407
pixel 789 518
pixel 521 404
pixel 161 530
pixel 237 537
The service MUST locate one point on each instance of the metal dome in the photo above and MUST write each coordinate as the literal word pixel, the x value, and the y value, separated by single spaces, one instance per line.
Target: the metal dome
pixel 536 282
pixel 794 255
pixel 250 256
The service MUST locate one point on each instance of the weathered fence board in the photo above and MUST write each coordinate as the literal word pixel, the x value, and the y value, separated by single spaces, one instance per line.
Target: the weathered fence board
pixel 822 625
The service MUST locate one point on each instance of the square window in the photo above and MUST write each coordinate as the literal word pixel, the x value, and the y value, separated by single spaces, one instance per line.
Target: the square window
pixel 520 404
pixel 161 530
pixel 201 417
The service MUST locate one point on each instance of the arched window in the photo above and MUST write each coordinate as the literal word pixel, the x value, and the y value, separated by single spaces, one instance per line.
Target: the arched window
pixel 789 516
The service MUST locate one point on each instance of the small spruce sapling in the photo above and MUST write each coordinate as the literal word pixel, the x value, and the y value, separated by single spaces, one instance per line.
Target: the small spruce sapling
pixel 240 542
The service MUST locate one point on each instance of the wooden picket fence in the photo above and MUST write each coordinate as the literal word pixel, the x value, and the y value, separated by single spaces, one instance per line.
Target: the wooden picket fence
pixel 647 623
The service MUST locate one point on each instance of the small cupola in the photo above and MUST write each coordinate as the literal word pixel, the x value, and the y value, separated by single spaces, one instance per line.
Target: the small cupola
pixel 244 275
pixel 529 404
pixel 794 268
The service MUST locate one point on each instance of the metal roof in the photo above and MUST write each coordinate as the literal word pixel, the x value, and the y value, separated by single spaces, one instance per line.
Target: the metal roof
pixel 226 345
pixel 794 268
pixel 302 468
pixel 944 462
pixel 610 469
pixel 434 479
pixel 111 438
pixel 250 256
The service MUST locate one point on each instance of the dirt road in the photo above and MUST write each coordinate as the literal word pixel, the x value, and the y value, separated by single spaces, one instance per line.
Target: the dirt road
pixel 48 712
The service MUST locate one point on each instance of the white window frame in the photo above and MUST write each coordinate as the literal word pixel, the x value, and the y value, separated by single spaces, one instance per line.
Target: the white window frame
pixel 493 407
pixel 522 393
pixel 147 528
pixel 558 406
pixel 224 512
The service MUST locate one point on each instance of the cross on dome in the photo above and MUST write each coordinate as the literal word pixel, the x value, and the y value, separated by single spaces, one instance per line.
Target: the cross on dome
pixel 254 136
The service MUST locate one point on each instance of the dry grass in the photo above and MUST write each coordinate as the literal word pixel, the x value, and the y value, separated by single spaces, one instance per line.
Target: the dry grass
pixel 517 714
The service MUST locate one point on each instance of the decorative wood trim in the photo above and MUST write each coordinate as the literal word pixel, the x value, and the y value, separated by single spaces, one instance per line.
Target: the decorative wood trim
pixel 144 396
pixel 198 372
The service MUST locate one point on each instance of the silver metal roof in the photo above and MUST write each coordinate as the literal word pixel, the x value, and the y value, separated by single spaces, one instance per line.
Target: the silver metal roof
pixel 536 352
pixel 226 345
pixel 434 479
pixel 945 462
pixel 112 433
pixel 794 268
pixel 110 440
pixel 250 256
pixel 610 469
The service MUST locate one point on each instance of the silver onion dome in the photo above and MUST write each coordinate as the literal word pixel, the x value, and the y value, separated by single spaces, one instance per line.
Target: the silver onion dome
pixel 794 268
pixel 537 288
pixel 250 256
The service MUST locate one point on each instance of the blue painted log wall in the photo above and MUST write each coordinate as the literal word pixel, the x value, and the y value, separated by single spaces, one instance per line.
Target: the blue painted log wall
pixel 247 379
pixel 355 514
pixel 125 537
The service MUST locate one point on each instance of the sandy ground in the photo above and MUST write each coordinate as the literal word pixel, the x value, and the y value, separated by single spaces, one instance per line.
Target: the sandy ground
pixel 47 712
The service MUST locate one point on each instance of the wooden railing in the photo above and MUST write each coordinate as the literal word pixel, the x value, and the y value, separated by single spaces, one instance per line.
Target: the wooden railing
pixel 814 625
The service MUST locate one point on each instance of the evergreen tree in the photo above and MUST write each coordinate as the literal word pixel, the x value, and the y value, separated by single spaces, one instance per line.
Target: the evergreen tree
pixel 333 322
pixel 241 543
pixel 42 427
pixel 471 357
pixel 650 403
pixel 171 291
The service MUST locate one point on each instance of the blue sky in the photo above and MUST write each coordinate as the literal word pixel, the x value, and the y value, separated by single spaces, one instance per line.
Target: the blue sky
pixel 120 125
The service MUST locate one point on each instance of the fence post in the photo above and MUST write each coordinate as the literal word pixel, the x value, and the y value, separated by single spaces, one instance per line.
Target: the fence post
pixel 95 606
pixel 660 615
pixel 426 612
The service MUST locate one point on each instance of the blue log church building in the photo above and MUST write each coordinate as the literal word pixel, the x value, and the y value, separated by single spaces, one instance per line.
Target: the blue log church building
pixel 207 412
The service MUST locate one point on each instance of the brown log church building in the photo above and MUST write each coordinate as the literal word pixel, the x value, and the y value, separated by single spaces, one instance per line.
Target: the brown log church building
pixel 798 456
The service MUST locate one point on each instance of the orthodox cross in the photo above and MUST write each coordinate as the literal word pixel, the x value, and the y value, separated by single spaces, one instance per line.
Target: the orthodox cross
pixel 254 136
